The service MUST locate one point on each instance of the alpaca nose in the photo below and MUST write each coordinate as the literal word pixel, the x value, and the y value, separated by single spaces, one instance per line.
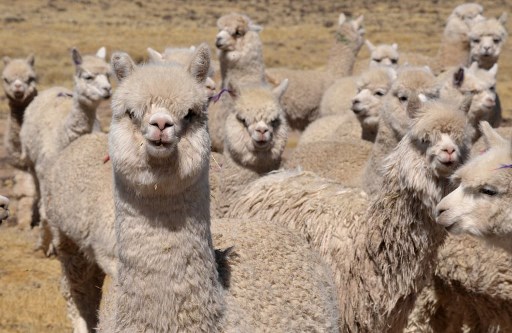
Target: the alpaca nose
pixel 161 120
pixel 262 130
pixel 449 150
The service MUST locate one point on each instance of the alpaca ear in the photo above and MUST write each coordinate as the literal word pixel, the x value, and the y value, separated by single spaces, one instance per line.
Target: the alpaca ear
pixel 369 45
pixel 280 89
pixel 458 77
pixel 77 58
pixel 413 106
pixel 490 136
pixel 31 60
pixel 155 56
pixel 199 66
pixel 7 60
pixel 102 53
pixel 255 27
pixel 503 18
pixel 122 64
pixel 341 19
pixel 395 46
pixel 494 70
pixel 359 20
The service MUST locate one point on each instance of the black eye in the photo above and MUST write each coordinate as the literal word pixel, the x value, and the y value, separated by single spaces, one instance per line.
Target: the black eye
pixel 475 40
pixel 402 99
pixel 377 60
pixel 379 93
pixel 493 88
pixel 189 115
pixel 238 33
pixel 129 112
pixel 242 120
pixel 488 191
pixel 394 61
pixel 87 77
pixel 275 122
pixel 496 40
pixel 31 79
pixel 6 80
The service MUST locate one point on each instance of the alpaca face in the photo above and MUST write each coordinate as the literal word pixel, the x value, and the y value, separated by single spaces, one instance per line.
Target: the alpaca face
pixel 480 204
pixel 481 84
pixel 19 79
pixel 232 29
pixel 383 55
pixel 256 129
pixel 159 133
pixel 92 76
pixel 486 40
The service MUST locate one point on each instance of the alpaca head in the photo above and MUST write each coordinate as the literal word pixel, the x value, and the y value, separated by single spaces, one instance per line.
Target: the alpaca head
pixel 372 86
pixel 350 31
pixel 480 205
pixel 468 12
pixel 232 31
pixel 92 76
pixel 439 131
pixel 4 208
pixel 256 129
pixel 159 139
pixel 409 81
pixel 383 54
pixel 486 40
pixel 462 18
pixel 478 82
pixel 19 79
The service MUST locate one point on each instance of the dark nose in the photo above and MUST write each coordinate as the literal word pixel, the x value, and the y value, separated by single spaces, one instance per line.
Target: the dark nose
pixel 161 120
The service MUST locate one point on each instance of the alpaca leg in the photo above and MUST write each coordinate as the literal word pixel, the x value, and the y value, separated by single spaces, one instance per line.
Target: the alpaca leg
pixel 81 286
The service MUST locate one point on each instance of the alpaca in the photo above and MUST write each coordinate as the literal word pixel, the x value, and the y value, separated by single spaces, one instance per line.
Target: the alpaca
pixel 478 206
pixel 241 62
pixel 377 279
pixel 4 208
pixel 393 122
pixel 87 244
pixel 380 55
pixel 255 138
pixel 486 41
pixel 59 116
pixel 481 84
pixel 20 89
pixel 301 101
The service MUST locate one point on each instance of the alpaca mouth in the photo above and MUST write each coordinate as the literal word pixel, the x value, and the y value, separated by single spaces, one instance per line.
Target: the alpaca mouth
pixel 160 148
pixel 261 144
pixel 19 94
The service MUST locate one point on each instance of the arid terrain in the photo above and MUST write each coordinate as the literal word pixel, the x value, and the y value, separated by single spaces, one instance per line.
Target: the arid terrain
pixel 297 34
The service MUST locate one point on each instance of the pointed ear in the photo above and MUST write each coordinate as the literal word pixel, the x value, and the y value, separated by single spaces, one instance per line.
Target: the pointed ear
pixel 369 45
pixel 359 20
pixel 255 27
pixel 77 58
pixel 122 64
pixel 494 70
pixel 341 19
pixel 200 64
pixel 503 18
pixel 7 60
pixel 31 60
pixel 102 53
pixel 280 89
pixel 413 106
pixel 473 67
pixel 395 46
pixel 458 77
pixel 490 136
pixel 155 56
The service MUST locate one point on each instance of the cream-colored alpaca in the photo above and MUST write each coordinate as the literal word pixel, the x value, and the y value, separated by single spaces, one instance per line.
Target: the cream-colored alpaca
pixel 255 138
pixel 480 205
pixel 160 157
pixel 380 55
pixel 301 101
pixel 487 38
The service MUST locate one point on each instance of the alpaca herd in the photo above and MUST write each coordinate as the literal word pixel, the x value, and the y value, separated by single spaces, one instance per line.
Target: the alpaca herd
pixel 203 223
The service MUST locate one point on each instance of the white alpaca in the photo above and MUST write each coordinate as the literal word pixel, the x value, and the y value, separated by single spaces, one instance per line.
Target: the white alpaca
pixel 487 38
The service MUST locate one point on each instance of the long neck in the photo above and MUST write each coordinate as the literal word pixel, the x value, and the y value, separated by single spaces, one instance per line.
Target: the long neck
pixel 17 108
pixel 394 254
pixel 452 51
pixel 168 280
pixel 80 120
pixel 245 66
pixel 343 53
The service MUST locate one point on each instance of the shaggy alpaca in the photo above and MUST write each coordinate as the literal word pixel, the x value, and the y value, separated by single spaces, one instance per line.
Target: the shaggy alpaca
pixel 394 122
pixel 387 252
pixel 87 241
pixel 481 84
pixel 380 55
pixel 353 98
pixel 20 89
pixel 479 205
pixel 4 208
pixel 301 101
pixel 486 40
pixel 255 138
pixel 59 116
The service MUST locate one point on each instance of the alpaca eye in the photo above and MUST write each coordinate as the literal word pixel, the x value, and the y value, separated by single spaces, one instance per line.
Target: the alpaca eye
pixel 496 40
pixel 238 33
pixel 402 99
pixel 242 120
pixel 31 79
pixel 475 40
pixel 129 112
pixel 493 88
pixel 6 80
pixel 87 77
pixel 394 61
pixel 189 115
pixel 379 93
pixel 377 60
pixel 487 190
pixel 275 122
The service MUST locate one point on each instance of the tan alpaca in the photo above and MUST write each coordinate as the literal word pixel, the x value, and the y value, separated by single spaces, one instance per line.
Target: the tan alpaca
pixel 58 116
pixel 301 101
pixel 479 205
pixel 487 38
pixel 378 261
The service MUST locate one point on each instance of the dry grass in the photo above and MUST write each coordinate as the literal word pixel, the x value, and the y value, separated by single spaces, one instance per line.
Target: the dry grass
pixel 297 34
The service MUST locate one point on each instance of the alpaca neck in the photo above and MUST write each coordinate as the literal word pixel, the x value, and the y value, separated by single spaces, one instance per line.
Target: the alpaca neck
pixel 343 54
pixel 167 275
pixel 452 51
pixel 486 62
pixel 245 66
pixel 80 120
pixel 17 108
pixel 394 257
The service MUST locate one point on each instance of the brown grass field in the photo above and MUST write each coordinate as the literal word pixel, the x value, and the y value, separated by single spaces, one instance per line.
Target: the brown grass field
pixel 297 34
